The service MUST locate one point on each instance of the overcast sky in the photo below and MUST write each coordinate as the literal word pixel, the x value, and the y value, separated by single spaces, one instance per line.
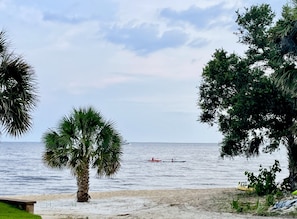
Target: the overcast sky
pixel 139 62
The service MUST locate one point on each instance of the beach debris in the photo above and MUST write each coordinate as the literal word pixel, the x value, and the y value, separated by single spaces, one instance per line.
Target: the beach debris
pixel 123 215
pixel 284 206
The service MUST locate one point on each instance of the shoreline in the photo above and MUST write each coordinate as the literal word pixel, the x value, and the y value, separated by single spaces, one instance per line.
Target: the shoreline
pixel 144 204
pixel 127 193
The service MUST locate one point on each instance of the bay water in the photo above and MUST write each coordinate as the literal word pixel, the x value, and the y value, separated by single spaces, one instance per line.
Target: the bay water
pixel 23 172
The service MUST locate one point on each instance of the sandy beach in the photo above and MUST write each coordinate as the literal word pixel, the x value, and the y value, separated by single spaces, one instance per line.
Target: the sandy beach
pixel 144 204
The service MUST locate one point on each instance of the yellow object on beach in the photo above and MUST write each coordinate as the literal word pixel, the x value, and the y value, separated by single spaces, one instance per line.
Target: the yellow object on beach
pixel 294 193
pixel 242 186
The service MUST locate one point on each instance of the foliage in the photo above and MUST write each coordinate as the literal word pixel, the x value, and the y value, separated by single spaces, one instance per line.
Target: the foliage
pixel 264 183
pixel 17 91
pixel 239 93
pixel 284 35
pixel 83 140
pixel 9 212
pixel 242 206
pixel 270 200
pixel 250 204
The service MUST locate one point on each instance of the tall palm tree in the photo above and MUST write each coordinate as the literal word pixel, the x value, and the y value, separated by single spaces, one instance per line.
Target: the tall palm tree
pixel 84 140
pixel 284 40
pixel 17 91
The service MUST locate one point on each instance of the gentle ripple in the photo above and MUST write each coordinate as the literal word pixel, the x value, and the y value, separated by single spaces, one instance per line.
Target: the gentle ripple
pixel 23 172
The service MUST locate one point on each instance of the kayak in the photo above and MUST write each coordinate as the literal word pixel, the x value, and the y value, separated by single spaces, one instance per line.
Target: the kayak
pixel 166 161
pixel 154 160
pixel 242 186
pixel 174 161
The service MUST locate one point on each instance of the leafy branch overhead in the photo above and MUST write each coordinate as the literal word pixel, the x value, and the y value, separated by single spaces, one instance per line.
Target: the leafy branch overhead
pixel 244 94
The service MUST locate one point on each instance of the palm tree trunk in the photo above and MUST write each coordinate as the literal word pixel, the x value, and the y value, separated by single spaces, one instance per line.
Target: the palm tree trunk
pixel 83 185
pixel 292 159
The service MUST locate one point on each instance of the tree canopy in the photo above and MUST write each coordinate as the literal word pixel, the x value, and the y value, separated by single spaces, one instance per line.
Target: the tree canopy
pixel 242 93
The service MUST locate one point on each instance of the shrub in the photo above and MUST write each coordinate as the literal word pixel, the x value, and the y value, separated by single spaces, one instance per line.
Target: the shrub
pixel 264 183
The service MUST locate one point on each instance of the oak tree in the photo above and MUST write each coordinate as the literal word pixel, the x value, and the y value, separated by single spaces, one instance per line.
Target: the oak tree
pixel 241 95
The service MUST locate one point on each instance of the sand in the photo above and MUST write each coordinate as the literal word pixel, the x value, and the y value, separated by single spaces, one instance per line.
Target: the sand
pixel 144 204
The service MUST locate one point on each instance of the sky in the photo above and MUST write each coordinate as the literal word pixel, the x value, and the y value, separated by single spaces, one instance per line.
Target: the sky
pixel 138 62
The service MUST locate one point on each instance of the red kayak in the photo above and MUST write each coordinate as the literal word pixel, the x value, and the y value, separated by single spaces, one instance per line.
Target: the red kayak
pixel 154 160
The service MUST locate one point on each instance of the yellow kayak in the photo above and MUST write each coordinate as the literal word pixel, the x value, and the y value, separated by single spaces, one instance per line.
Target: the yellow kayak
pixel 242 186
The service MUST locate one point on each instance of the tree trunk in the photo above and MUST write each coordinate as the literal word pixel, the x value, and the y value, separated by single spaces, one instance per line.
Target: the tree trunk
pixel 292 159
pixel 83 185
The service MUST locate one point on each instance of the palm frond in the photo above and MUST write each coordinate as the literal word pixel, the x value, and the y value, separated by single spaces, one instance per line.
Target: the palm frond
pixel 17 92
pixel 56 153
pixel 85 138
pixel 3 43
pixel 109 151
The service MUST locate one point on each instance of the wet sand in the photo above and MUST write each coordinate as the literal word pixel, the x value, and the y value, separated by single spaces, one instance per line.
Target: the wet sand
pixel 144 204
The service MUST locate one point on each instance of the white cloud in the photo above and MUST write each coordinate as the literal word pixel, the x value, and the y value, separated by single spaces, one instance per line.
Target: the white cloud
pixel 123 56
pixel 146 38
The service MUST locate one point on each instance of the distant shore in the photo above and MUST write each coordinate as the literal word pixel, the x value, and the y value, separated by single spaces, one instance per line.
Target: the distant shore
pixel 175 204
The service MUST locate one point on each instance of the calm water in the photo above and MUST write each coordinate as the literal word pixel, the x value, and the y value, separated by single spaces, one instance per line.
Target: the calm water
pixel 22 170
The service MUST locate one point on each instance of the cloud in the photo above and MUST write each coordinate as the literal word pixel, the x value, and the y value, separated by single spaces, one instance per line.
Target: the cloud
pixel 83 85
pixel 3 4
pixel 198 43
pixel 199 17
pixel 48 16
pixel 75 11
pixel 145 38
pixel 181 28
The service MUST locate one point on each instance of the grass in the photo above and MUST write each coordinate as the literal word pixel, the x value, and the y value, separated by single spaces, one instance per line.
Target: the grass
pixel 250 203
pixel 9 212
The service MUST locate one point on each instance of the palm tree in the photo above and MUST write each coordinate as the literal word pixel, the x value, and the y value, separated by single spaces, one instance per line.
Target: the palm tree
pixel 84 140
pixel 284 39
pixel 17 91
